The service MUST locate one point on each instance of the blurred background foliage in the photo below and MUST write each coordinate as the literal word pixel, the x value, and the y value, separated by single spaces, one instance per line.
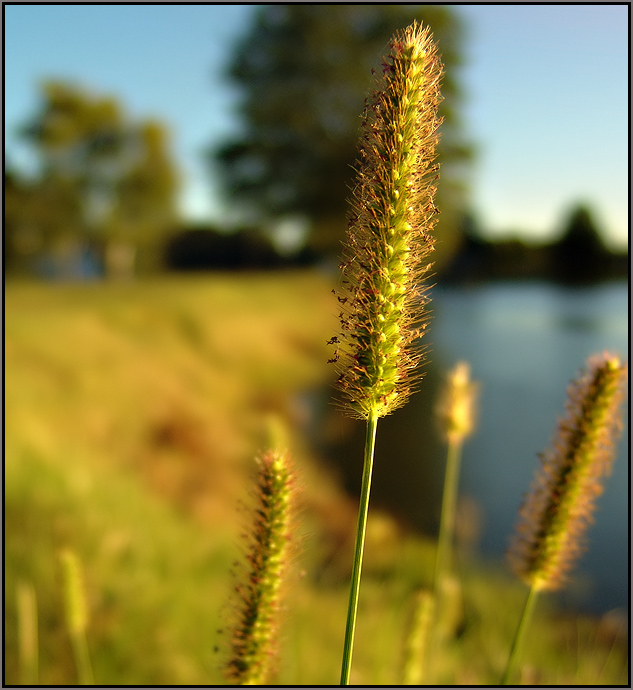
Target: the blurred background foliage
pixel 297 161
pixel 105 190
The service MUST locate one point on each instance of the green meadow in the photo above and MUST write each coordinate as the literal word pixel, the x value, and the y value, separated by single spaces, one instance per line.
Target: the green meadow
pixel 133 414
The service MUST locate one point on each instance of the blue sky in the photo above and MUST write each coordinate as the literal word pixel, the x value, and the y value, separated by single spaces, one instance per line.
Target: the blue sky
pixel 546 86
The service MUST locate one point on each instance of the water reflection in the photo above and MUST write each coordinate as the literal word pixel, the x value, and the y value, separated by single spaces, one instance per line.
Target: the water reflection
pixel 524 342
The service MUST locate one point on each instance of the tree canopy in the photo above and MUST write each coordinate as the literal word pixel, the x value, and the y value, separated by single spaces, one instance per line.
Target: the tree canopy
pixel 304 71
pixel 580 254
pixel 104 180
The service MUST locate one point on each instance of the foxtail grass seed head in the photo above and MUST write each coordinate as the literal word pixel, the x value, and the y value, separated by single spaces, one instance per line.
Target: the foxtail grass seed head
pixel 253 645
pixel 388 241
pixel 458 404
pixel 555 514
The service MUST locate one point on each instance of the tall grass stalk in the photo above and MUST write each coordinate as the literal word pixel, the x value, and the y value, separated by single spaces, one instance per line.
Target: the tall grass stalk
pixel 417 640
pixel 77 614
pixel 382 297
pixel 253 645
pixel 457 414
pixel 348 645
pixel 555 514
pixel 27 633
pixel 519 637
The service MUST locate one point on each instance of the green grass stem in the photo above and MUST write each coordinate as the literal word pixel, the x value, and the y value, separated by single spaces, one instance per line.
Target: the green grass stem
pixel 517 644
pixel 82 658
pixel 447 520
pixel 370 442
pixel 416 656
pixel 77 615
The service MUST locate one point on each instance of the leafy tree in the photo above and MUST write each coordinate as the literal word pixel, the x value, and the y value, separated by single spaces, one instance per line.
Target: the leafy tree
pixel 145 195
pixel 15 255
pixel 40 216
pixel 104 181
pixel 304 71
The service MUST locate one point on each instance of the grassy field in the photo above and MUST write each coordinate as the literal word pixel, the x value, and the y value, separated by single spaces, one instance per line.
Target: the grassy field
pixel 133 413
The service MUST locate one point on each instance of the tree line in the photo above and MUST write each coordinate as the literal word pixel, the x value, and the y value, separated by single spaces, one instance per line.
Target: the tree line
pixel 579 255
pixel 104 192
pixel 104 199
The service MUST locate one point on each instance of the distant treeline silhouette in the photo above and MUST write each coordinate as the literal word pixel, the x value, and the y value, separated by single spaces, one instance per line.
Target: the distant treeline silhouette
pixel 204 248
pixel 579 256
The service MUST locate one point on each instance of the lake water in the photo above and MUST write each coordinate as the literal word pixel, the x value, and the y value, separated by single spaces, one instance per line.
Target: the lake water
pixel 524 342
